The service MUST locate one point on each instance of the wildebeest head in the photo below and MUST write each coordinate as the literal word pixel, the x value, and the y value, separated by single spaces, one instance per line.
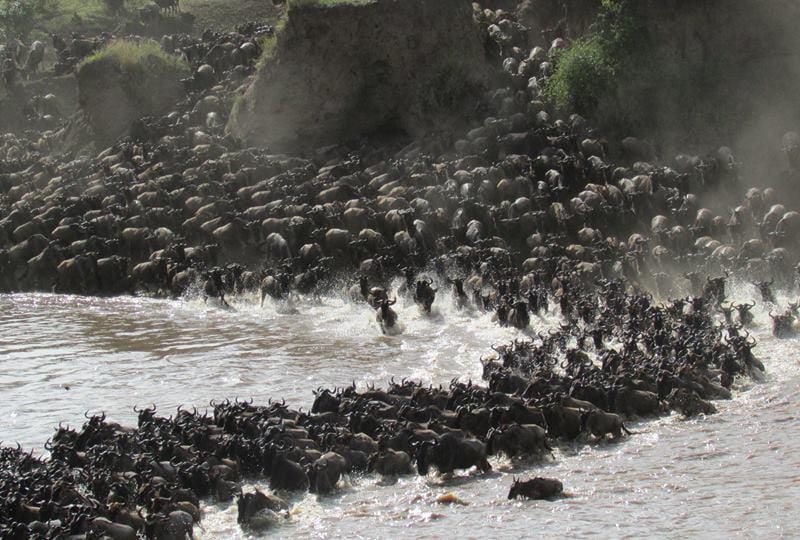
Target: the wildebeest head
pixel 386 307
pixel 145 415
pixel 515 490
pixel 325 401
pixel 245 506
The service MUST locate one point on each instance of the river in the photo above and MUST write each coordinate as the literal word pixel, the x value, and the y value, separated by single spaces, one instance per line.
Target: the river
pixel 736 473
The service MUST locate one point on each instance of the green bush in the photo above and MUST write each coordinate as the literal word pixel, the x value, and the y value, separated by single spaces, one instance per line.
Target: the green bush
pixel 583 76
pixel 587 74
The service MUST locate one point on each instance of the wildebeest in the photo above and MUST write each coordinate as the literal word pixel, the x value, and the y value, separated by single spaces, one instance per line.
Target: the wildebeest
pixel 257 509
pixel 387 317
pixel 515 440
pixel 450 452
pixel 325 472
pixel 536 488
pixel 601 423
pixel 424 294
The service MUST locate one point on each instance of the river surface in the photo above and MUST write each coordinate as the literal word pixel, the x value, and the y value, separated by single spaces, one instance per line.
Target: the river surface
pixel 736 473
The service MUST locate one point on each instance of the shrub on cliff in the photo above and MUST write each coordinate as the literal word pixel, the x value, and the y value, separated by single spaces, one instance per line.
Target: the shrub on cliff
pixel 583 77
pixel 640 71
pixel 588 74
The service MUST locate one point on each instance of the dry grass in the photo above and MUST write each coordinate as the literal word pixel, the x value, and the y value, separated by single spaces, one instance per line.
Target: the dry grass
pixel 134 58
pixel 322 3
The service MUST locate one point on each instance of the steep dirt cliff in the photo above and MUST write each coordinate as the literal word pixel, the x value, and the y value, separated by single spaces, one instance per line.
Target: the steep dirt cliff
pixel 340 72
pixel 732 71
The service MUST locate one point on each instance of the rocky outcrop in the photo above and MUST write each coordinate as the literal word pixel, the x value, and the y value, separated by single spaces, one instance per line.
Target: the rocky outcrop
pixel 121 85
pixel 340 72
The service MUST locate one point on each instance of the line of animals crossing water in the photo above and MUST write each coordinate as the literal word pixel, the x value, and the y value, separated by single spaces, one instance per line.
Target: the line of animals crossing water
pixel 550 389
pixel 527 213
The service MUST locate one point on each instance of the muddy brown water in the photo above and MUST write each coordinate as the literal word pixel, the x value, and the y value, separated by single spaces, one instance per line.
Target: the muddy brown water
pixel 736 473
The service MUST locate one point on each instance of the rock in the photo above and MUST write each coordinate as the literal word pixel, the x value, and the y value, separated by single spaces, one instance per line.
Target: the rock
pixel 450 498
pixel 125 82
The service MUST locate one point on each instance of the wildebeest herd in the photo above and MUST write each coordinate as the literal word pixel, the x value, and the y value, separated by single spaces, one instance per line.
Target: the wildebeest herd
pixel 525 214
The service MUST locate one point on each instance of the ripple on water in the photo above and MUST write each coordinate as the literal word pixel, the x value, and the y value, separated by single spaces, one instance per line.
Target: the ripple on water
pixel 674 478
